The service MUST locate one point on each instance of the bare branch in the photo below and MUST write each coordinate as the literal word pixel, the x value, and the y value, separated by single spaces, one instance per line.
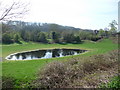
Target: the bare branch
pixel 6 12
pixel 15 10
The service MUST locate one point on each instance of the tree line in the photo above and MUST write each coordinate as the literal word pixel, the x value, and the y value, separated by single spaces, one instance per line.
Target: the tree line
pixel 17 31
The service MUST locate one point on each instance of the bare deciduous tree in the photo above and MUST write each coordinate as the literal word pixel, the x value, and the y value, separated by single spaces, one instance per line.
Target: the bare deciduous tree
pixel 15 9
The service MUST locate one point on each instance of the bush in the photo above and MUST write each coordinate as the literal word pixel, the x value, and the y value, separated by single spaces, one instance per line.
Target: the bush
pixel 71 38
pixel 62 75
pixel 52 76
pixel 6 38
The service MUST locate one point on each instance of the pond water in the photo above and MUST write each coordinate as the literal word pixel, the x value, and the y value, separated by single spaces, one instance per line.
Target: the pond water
pixel 42 54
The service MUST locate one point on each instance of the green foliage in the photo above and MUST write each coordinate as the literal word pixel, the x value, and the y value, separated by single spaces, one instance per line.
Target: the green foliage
pixel 22 35
pixel 68 38
pixel 34 32
pixel 6 28
pixel 77 39
pixel 114 83
pixel 88 36
pixel 94 38
pixel 6 38
pixel 71 38
pixel 113 25
pixel 60 34
pixel 83 35
pixel 101 33
pixel 55 37
pixel 16 38
pixel 41 37
pixel 113 28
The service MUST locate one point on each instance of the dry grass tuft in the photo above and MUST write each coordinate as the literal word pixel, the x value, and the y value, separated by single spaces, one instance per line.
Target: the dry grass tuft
pixel 7 82
pixel 76 72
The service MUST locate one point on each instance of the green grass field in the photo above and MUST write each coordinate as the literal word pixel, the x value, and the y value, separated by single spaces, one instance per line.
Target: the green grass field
pixel 25 71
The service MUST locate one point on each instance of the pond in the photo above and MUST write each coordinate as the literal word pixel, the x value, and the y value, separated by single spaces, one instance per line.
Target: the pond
pixel 43 54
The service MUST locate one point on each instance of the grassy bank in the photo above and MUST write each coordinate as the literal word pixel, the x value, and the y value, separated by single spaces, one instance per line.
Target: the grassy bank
pixel 25 71
pixel 99 47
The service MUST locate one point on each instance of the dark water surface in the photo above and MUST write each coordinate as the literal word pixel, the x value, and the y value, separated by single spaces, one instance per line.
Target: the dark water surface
pixel 40 54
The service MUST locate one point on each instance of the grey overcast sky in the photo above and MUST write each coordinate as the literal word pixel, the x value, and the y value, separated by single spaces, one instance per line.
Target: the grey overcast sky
pixel 86 14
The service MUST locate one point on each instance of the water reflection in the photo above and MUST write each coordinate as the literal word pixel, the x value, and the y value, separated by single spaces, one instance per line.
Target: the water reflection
pixel 40 54
pixel 55 52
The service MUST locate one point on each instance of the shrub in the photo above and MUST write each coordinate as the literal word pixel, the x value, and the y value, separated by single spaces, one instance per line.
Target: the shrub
pixel 60 75
pixel 52 76
pixel 57 75
pixel 6 38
